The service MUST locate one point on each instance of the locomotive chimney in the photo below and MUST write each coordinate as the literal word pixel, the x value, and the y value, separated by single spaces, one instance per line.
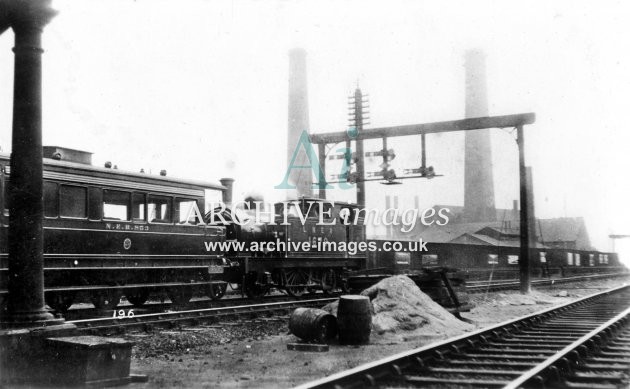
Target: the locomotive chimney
pixel 478 181
pixel 227 193
pixel 298 122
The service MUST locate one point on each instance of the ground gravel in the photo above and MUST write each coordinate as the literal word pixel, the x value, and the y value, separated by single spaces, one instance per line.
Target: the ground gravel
pixel 252 353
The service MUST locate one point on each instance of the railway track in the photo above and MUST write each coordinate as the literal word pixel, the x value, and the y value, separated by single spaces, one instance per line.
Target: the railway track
pixel 158 307
pixel 582 344
pixel 75 314
pixel 489 286
pixel 189 317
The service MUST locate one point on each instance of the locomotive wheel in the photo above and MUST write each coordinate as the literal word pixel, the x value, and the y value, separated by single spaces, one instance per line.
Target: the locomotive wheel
pixel 294 282
pixel 106 299
pixel 344 284
pixel 217 290
pixel 59 302
pixel 137 297
pixel 329 281
pixel 180 295
pixel 254 291
pixel 252 288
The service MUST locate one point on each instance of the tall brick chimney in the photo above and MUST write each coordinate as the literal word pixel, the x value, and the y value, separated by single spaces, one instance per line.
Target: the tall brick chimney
pixel 298 122
pixel 478 181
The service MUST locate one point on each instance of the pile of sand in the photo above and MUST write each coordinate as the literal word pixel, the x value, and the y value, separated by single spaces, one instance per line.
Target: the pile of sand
pixel 399 306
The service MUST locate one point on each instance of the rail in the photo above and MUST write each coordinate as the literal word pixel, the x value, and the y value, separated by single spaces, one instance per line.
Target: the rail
pixel 187 316
pixel 492 357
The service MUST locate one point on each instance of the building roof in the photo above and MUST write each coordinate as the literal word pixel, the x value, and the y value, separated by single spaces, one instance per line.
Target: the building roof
pixel 457 212
pixel 549 232
pixel 563 229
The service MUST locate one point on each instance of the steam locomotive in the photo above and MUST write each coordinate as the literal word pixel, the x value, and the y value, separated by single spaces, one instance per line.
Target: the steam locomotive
pixel 110 233
pixel 298 248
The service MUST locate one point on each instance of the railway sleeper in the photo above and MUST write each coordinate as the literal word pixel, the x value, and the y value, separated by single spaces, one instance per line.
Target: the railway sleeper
pixel 519 351
pixel 531 345
pixel 609 366
pixel 538 338
pixel 595 376
pixel 454 370
pixel 589 385
pixel 455 381
pixel 463 362
pixel 503 357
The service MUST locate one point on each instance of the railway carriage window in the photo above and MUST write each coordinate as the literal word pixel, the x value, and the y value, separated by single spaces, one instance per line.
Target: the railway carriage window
pixel 51 199
pixel 429 259
pixel 577 259
pixel 570 259
pixel 115 205
pixel 591 259
pixel 159 209
pixel 512 259
pixel 606 259
pixel 543 257
pixel 138 206
pixel 73 201
pixel 493 259
pixel 183 209
pixel 402 258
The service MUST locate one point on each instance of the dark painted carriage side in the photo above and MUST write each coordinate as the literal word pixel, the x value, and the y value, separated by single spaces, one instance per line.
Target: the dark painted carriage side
pixel 108 232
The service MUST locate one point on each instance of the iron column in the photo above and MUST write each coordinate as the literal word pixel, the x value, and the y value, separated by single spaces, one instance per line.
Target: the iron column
pixel 26 307
pixel 523 259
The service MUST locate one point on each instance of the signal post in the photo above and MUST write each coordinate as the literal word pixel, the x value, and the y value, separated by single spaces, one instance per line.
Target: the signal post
pixel 517 121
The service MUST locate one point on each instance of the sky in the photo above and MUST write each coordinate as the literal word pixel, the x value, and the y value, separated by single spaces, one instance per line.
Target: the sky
pixel 199 88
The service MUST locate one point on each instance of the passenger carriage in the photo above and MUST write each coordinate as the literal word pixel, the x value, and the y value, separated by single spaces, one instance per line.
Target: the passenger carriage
pixel 109 233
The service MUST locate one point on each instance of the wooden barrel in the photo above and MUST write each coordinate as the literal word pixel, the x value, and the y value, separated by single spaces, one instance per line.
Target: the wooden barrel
pixel 354 319
pixel 313 324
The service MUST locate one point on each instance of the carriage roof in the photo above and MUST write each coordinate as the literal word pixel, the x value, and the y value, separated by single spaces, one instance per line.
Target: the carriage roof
pixel 81 172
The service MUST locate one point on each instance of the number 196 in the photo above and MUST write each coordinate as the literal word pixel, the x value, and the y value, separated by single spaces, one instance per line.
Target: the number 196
pixel 121 313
